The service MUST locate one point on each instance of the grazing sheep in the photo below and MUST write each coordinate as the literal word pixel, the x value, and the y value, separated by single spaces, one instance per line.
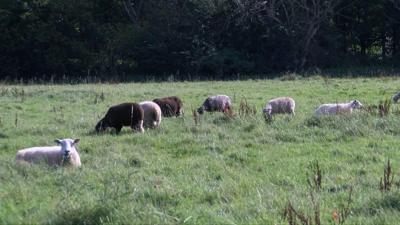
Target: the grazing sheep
pixel 170 106
pixel 219 103
pixel 125 114
pixel 396 97
pixel 338 108
pixel 52 155
pixel 282 105
pixel 152 114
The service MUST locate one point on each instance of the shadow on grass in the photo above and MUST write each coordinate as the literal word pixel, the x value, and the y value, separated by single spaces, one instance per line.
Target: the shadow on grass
pixel 222 120
pixel 3 136
pixel 389 201
pixel 85 216
pixel 109 132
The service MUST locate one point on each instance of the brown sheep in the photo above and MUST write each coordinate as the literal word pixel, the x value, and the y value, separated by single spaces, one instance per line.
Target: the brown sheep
pixel 170 106
pixel 125 114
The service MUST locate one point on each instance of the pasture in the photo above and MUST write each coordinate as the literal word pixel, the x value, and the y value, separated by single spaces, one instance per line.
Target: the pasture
pixel 220 171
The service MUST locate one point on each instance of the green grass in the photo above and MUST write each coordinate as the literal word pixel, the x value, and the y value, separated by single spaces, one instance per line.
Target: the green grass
pixel 222 171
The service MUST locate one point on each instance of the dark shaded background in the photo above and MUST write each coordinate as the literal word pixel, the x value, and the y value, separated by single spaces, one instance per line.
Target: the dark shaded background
pixel 194 39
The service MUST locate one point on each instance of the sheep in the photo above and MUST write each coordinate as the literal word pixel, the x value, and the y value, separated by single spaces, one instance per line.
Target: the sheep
pixel 152 114
pixel 170 106
pixel 338 108
pixel 396 97
pixel 125 114
pixel 219 103
pixel 66 153
pixel 281 105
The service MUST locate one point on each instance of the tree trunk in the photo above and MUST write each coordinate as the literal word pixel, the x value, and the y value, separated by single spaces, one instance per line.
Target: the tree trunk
pixel 394 40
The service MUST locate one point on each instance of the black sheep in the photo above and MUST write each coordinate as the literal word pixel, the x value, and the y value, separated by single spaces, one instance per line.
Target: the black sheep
pixel 170 106
pixel 125 114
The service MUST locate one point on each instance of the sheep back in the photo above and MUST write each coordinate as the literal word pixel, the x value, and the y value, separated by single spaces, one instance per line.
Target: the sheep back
pixel 170 106
pixel 125 114
pixel 51 155
pixel 338 108
pixel 281 105
pixel 220 103
pixel 152 114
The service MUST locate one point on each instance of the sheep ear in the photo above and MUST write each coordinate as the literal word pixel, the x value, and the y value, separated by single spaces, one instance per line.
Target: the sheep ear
pixel 76 141
pixel 58 141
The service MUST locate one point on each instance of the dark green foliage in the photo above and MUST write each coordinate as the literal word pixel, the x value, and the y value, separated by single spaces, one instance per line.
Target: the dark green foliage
pixel 389 201
pixel 223 39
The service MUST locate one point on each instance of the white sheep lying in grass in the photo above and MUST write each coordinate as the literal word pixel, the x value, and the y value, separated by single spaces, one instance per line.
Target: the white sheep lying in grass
pixel 338 108
pixel 281 105
pixel 52 155
pixel 152 114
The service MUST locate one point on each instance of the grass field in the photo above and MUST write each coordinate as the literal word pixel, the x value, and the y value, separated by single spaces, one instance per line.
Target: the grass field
pixel 221 171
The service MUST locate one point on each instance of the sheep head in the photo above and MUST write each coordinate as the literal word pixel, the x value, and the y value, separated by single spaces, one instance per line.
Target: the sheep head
pixel 200 110
pixel 356 104
pixel 267 114
pixel 67 146
pixel 205 107
pixel 101 125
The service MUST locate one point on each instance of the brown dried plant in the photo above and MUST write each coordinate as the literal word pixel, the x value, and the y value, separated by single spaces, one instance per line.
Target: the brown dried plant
pixel 196 117
pixel 386 181
pixel 246 110
pixel 384 107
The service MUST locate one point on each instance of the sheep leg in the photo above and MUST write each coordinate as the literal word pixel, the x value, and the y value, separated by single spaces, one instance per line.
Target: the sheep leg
pixel 138 127
pixel 118 129
pixel 292 114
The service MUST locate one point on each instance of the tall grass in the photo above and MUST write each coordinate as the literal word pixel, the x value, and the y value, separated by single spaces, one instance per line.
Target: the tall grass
pixel 208 169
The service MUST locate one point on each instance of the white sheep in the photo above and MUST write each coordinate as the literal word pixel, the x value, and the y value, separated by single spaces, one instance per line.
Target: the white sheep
pixel 338 108
pixel 152 114
pixel 220 103
pixel 281 105
pixel 52 155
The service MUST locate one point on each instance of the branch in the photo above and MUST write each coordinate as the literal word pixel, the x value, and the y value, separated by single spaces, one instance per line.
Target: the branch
pixel 131 11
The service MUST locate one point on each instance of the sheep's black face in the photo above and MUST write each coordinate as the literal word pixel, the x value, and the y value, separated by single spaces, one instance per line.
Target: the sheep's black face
pixel 66 153
pixel 101 126
pixel 200 110
pixel 356 104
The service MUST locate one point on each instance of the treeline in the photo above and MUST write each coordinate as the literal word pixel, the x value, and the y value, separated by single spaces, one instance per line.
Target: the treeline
pixel 56 39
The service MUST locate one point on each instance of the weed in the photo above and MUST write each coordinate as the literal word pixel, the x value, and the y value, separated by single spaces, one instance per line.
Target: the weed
pixel 345 209
pixel 288 77
pixel 371 110
pixel 246 110
pixel 326 80
pixel 293 215
pixel 384 107
pixel 18 93
pixel 386 182
pixel 99 98
pixel 196 117
pixel 315 181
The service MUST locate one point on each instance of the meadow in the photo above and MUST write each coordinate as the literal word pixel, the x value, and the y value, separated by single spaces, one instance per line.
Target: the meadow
pixel 218 171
